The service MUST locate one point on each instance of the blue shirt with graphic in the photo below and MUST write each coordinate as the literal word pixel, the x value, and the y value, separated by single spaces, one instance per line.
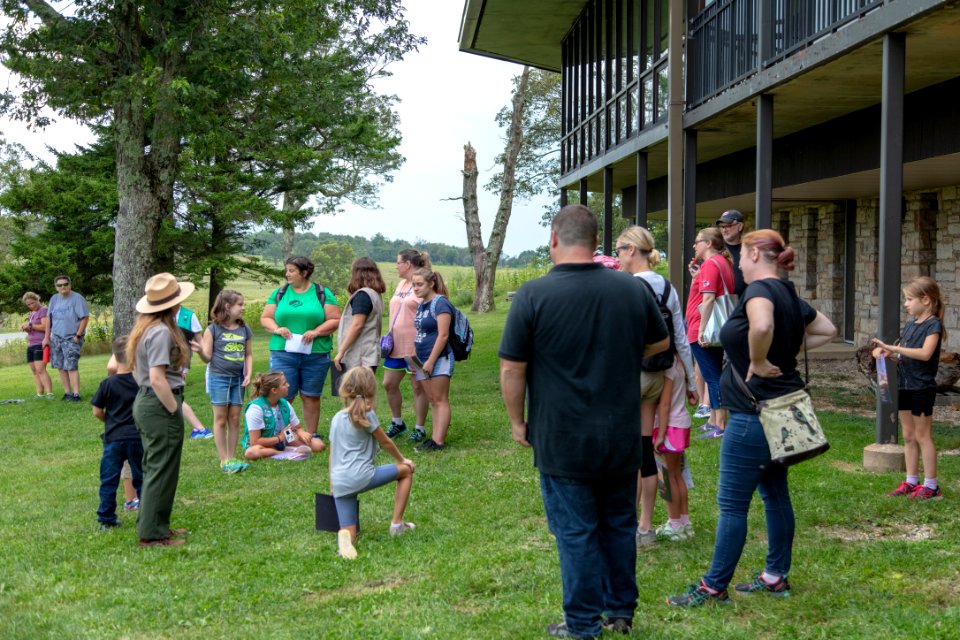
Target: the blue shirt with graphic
pixel 426 324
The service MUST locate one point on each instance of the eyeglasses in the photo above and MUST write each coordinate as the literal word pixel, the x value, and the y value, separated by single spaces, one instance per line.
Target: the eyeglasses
pixel 60 285
pixel 622 247
pixel 698 241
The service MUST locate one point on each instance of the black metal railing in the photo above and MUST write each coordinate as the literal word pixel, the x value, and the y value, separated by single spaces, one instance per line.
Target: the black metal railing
pixel 732 39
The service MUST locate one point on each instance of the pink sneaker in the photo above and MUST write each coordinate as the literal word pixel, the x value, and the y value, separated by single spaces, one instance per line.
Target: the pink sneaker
pixel 926 493
pixel 905 489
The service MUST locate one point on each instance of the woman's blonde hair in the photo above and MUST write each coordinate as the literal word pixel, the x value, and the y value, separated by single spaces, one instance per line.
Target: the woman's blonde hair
pixel 642 239
pixel 433 277
pixel 927 286
pixel 264 383
pixel 714 238
pixel 771 247
pixel 29 295
pixel 358 392
pixel 179 353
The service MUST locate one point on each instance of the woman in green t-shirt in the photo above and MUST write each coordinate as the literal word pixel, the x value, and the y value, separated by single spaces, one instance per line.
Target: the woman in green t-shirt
pixel 302 317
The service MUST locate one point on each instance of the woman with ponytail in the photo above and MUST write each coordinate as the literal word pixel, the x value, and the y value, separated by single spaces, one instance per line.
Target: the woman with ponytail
pixel 761 339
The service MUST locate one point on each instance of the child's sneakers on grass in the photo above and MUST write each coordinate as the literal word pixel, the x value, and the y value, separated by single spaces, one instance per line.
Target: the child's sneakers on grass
pixel 417 435
pixel 645 538
pixel 345 547
pixel 905 489
pixel 703 411
pixel 233 466
pixel 401 528
pixel 201 434
pixel 697 595
pixel 779 588
pixel 675 534
pixel 396 428
pixel 926 493
pixel 131 505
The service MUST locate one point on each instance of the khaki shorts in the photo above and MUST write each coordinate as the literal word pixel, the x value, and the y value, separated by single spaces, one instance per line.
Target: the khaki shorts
pixel 651 384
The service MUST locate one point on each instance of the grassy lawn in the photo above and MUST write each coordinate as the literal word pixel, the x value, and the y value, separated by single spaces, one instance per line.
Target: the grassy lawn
pixel 481 563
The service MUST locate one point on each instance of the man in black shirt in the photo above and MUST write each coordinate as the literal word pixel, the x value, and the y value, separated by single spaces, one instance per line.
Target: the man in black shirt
pixel 574 340
pixel 731 226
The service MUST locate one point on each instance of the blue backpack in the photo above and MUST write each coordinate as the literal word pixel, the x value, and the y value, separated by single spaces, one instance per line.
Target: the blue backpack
pixel 461 335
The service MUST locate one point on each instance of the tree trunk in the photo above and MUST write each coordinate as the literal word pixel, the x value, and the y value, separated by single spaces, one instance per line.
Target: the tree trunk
pixel 471 217
pixel 217 238
pixel 486 269
pixel 292 203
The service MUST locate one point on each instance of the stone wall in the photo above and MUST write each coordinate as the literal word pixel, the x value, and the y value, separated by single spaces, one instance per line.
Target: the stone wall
pixel 930 246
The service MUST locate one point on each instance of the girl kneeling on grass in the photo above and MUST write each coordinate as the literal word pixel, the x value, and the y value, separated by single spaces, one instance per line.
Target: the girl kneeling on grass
pixel 270 423
pixel 354 435
pixel 919 358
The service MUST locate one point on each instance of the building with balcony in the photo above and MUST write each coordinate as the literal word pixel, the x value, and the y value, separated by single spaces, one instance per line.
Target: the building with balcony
pixel 835 122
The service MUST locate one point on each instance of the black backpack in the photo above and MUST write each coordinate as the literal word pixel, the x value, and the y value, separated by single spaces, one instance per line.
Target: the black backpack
pixel 663 360
pixel 321 294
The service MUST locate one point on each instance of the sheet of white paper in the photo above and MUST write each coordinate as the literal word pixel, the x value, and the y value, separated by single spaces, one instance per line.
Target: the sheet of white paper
pixel 295 344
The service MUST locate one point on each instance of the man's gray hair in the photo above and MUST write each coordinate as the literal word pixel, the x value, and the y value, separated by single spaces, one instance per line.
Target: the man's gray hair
pixel 576 225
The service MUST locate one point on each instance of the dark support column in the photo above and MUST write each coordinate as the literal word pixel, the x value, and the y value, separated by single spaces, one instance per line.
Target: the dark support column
pixel 583 191
pixel 641 206
pixel 608 211
pixel 563 197
pixel 765 27
pixel 689 205
pixel 764 160
pixel 891 198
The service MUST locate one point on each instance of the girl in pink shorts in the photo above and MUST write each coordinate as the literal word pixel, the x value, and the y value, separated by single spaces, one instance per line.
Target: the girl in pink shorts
pixel 671 442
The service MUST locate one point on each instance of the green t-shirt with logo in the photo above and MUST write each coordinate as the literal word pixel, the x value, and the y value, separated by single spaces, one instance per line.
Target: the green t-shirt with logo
pixel 301 312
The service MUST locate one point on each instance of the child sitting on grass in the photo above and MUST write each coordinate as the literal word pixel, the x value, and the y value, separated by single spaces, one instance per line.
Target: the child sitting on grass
pixel 113 405
pixel 270 423
pixel 354 435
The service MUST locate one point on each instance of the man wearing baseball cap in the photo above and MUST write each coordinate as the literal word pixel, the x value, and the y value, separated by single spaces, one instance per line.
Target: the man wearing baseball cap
pixel 731 226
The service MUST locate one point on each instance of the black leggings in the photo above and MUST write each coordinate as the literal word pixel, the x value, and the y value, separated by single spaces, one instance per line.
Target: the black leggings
pixel 648 465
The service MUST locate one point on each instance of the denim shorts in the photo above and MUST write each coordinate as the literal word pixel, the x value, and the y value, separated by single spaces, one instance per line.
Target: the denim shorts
pixel 305 372
pixel 225 390
pixel 443 367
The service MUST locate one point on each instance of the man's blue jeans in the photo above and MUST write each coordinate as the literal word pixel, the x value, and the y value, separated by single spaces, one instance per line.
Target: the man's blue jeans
pixel 744 467
pixel 594 521
pixel 111 464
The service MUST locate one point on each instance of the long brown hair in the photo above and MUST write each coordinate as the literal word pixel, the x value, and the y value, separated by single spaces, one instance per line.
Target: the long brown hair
pixel 179 353
pixel 366 273
pixel 417 258
pixel 358 391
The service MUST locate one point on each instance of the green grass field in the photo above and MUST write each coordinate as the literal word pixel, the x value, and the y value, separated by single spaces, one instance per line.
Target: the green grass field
pixel 481 563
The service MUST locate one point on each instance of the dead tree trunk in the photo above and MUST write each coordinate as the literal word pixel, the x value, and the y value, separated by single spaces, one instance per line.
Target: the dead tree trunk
pixel 485 261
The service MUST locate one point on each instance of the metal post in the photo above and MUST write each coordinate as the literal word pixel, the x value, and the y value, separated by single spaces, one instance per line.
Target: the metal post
pixel 583 191
pixel 764 161
pixel 608 211
pixel 891 197
pixel 765 26
pixel 676 202
pixel 689 212
pixel 640 212
pixel 563 197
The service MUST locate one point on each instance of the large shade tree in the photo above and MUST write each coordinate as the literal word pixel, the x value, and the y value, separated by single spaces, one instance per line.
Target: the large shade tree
pixel 160 71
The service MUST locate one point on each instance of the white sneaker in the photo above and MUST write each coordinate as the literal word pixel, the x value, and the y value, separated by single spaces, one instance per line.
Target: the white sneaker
pixel 402 528
pixel 688 530
pixel 646 538
pixel 668 532
pixel 703 411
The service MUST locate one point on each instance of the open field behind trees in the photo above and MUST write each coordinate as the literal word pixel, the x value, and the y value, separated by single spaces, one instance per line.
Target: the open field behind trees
pixel 481 563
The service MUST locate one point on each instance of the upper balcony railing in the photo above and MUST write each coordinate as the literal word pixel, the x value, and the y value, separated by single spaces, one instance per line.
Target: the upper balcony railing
pixel 726 40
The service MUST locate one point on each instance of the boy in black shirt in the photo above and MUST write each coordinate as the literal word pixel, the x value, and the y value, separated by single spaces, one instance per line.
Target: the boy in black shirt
pixel 113 405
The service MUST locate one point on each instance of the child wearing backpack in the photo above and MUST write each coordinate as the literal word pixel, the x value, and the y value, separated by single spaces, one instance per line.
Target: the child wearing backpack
pixel 638 256
pixel 434 321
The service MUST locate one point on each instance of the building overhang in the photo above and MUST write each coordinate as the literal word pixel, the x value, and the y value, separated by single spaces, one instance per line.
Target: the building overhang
pixel 527 32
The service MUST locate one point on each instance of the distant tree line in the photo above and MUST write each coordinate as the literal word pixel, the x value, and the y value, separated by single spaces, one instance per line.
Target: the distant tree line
pixel 269 246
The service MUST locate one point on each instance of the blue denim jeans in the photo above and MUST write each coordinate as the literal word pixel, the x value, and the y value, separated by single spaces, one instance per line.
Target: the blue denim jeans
pixel 114 453
pixel 594 521
pixel 710 360
pixel 744 467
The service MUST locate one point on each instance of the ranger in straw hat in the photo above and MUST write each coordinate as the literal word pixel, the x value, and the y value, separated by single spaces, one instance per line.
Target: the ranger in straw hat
pixel 157 352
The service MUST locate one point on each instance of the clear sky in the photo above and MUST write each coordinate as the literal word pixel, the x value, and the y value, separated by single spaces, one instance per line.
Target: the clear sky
pixel 447 98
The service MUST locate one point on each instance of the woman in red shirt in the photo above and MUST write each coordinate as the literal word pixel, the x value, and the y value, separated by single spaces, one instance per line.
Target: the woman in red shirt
pixel 712 271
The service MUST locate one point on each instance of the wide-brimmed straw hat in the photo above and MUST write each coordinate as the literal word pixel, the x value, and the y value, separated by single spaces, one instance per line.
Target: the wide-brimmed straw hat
pixel 163 292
